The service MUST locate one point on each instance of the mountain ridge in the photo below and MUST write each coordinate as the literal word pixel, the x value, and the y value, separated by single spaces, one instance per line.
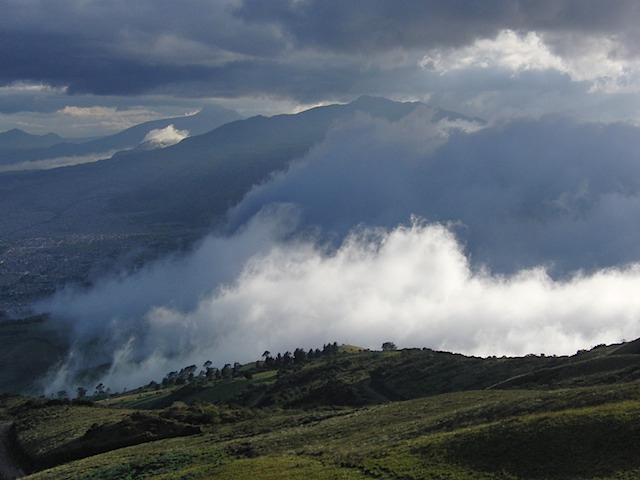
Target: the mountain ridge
pixel 235 156
pixel 205 120
pixel 16 139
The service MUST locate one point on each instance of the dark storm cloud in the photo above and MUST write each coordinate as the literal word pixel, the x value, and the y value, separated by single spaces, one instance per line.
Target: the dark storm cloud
pixel 119 47
pixel 380 24
pixel 60 62
pixel 279 47
pixel 373 25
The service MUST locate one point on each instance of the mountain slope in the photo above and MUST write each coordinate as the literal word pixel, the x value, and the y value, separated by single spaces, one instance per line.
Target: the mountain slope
pixel 191 183
pixel 207 119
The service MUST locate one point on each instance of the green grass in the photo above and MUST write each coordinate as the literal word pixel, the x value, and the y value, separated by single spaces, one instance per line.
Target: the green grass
pixel 284 466
pixel 45 429
pixel 454 436
pixel 594 441
pixel 169 459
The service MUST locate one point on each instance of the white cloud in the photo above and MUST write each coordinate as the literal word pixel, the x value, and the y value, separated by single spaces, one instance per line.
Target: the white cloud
pixel 508 50
pixel 602 62
pixel 57 162
pixel 164 137
pixel 31 88
pixel 95 111
pixel 105 118
pixel 597 60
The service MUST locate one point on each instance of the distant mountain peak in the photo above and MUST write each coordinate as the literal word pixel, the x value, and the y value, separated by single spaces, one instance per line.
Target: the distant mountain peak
pixel 374 100
pixel 209 109
pixel 16 139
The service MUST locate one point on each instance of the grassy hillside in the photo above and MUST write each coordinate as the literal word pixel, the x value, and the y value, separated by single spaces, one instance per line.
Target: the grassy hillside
pixel 326 417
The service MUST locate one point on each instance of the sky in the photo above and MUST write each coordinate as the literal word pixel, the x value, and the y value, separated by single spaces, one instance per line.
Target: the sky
pixel 88 67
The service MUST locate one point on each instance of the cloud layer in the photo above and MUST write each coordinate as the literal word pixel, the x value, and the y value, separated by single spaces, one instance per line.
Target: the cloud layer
pixel 525 241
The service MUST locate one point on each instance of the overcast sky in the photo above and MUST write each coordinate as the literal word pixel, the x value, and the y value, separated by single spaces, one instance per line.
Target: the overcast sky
pixel 91 67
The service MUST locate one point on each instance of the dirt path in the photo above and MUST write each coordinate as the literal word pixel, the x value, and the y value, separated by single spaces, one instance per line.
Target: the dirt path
pixel 9 470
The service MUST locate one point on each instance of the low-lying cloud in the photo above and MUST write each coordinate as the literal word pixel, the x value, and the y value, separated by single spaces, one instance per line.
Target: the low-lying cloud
pixel 57 162
pixel 164 137
pixel 263 290
pixel 517 238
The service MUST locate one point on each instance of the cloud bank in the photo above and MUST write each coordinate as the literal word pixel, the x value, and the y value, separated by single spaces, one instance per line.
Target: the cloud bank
pixel 516 238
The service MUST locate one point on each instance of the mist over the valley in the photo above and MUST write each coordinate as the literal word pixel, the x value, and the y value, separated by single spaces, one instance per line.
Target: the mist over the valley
pixel 512 238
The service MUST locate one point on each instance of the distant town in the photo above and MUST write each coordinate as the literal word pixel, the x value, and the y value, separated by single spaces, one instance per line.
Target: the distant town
pixel 33 268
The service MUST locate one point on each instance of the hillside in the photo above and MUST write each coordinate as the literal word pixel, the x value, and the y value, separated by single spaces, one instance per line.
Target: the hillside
pixel 326 417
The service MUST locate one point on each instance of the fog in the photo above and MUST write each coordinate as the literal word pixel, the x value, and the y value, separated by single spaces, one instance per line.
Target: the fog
pixel 519 237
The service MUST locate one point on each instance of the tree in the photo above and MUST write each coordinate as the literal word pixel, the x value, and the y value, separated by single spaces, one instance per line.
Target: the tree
pixel 81 392
pixel 330 348
pixel 388 346
pixel 299 355
pixel 187 373
pixel 287 358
